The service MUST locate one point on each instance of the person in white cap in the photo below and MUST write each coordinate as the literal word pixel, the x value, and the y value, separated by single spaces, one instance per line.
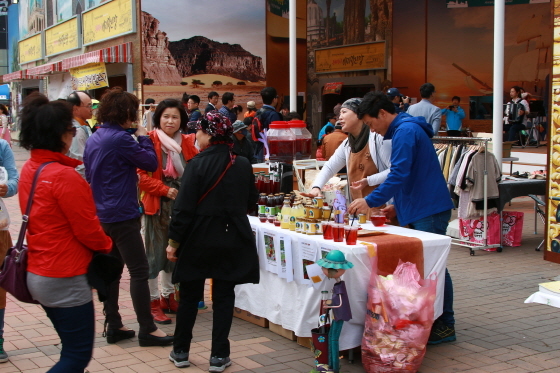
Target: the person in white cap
pixel 251 109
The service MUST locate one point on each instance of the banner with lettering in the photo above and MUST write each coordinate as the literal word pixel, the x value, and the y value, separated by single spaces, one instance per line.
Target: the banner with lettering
pixel 366 56
pixel 90 76
pixel 108 21
pixel 471 3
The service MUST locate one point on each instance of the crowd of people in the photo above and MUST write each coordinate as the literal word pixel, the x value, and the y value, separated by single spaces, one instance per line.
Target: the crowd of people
pixel 169 199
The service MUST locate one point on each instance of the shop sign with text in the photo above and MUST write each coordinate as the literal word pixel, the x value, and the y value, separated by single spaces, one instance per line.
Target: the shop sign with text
pixel 471 3
pixel 90 76
pixel 31 49
pixel 367 56
pixel 62 37
pixel 108 21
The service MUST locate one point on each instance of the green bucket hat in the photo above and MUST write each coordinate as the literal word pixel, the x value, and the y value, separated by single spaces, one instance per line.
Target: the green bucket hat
pixel 335 259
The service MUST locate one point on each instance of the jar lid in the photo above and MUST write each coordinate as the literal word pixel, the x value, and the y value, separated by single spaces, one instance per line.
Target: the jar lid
pixel 297 123
pixel 279 124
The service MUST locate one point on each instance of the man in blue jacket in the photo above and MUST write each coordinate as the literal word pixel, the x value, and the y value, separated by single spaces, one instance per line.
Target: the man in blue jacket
pixel 416 183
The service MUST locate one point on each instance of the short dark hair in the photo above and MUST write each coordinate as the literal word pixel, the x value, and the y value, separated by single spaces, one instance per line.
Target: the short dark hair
pixel 373 102
pixel 185 98
pixel 149 101
pixel 227 97
pixel 213 94
pixel 237 108
pixel 293 115
pixel 456 98
pixel 329 129
pixel 117 106
pixel 517 90
pixel 248 121
pixel 44 122
pixel 170 103
pixel 4 109
pixel 427 90
pixel 268 95
pixel 331 116
pixel 74 98
pixel 195 99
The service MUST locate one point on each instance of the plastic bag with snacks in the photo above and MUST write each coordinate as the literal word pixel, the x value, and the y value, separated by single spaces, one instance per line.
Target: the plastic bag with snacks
pixel 399 317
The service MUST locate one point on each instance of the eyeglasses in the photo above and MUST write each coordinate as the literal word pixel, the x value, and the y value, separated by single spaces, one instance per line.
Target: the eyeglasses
pixel 73 131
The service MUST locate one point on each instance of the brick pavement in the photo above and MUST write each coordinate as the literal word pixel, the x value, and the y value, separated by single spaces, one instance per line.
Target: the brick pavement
pixel 496 331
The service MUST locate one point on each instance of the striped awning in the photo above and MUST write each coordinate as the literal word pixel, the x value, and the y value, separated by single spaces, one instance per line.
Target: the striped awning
pixel 16 75
pixel 45 69
pixel 119 53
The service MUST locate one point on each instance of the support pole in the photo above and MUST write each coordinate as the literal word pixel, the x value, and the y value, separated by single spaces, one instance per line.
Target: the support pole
pixel 293 56
pixel 498 112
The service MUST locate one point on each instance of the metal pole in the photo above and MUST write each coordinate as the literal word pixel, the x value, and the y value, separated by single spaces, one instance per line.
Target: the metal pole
pixel 498 113
pixel 293 57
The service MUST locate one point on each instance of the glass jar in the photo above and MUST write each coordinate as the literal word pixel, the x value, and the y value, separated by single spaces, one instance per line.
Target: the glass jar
pixel 281 142
pixel 303 139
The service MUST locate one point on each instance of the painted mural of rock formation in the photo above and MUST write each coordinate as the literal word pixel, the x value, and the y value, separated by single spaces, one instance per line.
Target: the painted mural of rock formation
pixel 200 55
pixel 158 63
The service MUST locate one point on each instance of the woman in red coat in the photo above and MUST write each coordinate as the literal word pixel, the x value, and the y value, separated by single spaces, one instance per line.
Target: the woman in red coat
pixel 63 231
pixel 159 190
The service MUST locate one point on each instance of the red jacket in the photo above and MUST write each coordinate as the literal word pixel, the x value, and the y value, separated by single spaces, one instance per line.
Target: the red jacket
pixel 63 229
pixel 151 183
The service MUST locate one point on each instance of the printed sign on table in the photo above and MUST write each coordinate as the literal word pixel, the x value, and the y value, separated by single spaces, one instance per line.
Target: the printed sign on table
pixel 284 258
pixel 271 250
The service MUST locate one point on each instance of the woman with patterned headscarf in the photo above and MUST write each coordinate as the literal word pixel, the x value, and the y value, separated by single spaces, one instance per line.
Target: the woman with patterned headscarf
pixel 210 236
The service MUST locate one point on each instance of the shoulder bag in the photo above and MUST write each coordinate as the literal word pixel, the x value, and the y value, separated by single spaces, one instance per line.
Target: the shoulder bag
pixel 13 275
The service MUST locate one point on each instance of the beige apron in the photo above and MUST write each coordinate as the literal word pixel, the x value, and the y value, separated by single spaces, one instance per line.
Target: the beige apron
pixel 361 165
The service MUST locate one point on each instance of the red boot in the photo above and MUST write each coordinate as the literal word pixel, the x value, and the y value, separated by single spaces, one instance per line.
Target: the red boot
pixel 157 313
pixel 169 305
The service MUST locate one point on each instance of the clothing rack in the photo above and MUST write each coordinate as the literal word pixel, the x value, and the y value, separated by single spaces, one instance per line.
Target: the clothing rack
pixel 457 241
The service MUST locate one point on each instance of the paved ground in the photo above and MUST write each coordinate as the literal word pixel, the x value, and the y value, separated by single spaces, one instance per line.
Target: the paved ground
pixel 496 331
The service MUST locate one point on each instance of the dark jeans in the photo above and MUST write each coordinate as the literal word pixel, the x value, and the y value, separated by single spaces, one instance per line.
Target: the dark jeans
pixel 437 223
pixel 76 328
pixel 514 130
pixel 129 247
pixel 223 298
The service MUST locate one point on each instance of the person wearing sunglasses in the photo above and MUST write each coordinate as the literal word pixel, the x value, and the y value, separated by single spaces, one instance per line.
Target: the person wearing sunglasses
pixel 63 232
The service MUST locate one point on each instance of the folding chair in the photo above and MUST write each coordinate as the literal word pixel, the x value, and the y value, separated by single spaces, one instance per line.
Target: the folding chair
pixel 540 212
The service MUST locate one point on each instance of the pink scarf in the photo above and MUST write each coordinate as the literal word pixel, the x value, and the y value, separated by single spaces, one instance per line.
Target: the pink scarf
pixel 172 147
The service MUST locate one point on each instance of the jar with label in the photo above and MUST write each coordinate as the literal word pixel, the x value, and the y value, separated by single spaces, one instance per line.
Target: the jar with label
pixel 314 213
pixel 326 212
pixel 299 225
pixel 309 226
pixel 318 202
pixel 318 227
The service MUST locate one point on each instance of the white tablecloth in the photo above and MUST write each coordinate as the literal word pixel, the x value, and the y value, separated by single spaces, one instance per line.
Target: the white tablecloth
pixel 296 307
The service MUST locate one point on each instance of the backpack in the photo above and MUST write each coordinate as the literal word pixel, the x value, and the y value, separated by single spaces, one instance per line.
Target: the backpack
pixel 257 123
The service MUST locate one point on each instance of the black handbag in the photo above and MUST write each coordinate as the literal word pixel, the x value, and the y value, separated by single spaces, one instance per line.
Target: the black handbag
pixel 13 275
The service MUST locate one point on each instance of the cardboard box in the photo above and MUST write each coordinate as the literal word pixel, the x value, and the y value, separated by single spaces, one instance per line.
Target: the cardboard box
pixel 506 145
pixel 306 341
pixel 248 316
pixel 278 329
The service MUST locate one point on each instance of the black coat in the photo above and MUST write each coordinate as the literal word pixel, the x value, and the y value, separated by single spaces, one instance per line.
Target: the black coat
pixel 209 107
pixel 215 235
pixel 244 148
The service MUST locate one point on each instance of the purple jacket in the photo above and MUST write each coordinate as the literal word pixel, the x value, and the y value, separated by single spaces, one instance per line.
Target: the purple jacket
pixel 111 157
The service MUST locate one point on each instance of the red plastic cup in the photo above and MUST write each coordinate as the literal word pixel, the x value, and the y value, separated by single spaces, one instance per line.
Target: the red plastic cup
pixel 327 230
pixel 377 220
pixel 338 232
pixel 351 234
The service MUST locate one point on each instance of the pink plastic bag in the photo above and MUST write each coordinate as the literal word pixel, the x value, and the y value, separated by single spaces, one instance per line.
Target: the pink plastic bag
pixel 473 229
pixel 512 228
pixel 399 317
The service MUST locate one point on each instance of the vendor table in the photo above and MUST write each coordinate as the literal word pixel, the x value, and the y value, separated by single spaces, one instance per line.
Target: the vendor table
pixel 509 189
pixel 296 307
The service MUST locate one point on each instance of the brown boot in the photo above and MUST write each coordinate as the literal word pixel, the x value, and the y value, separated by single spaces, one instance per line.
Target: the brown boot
pixel 169 305
pixel 157 313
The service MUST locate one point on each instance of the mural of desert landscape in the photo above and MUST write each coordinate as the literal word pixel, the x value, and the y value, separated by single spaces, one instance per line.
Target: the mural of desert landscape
pixel 208 50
